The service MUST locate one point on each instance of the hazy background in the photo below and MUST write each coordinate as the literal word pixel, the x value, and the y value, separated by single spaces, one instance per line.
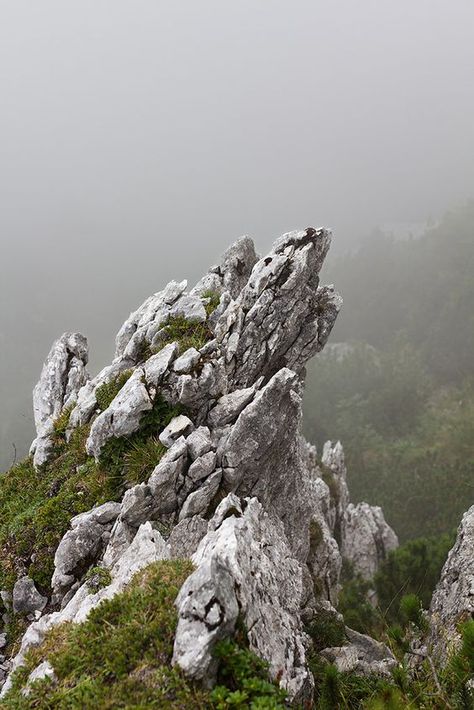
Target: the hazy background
pixel 138 139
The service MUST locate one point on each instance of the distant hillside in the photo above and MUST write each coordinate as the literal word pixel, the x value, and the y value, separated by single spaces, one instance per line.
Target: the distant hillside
pixel 404 407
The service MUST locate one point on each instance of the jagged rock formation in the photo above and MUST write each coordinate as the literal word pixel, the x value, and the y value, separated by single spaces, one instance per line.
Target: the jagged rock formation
pixel 64 374
pixel 236 487
pixel 244 567
pixel 368 538
pixel 453 599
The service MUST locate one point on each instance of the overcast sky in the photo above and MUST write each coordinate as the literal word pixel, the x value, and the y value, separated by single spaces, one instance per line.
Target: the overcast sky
pixel 138 138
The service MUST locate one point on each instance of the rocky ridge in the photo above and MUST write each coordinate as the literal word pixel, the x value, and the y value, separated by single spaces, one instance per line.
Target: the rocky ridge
pixel 237 489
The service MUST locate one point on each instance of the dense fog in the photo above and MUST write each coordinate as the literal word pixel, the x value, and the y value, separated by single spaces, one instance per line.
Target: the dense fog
pixel 139 139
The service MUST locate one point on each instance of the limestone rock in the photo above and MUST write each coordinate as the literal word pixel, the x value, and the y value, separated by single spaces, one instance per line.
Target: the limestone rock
pixel 244 563
pixel 44 670
pixel 453 598
pixel 187 361
pixel 179 426
pixel 233 273
pixel 63 374
pixel 367 539
pixel 26 598
pixel 123 416
pixel 279 318
pixel 363 656
pixel 199 442
pixel 198 502
pixel 229 406
pixel 102 514
pixel 76 549
pixel 186 536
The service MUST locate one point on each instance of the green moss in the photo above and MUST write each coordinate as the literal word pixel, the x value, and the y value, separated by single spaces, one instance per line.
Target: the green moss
pixel 98 578
pixel 106 393
pixel 188 334
pixel 120 657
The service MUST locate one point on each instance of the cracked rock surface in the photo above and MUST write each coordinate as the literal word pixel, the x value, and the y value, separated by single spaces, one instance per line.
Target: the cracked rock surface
pixel 237 488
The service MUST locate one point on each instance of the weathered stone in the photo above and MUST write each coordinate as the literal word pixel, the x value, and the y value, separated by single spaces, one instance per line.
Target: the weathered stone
pixel 76 549
pixel 280 318
pixel 123 416
pixel 229 406
pixel 198 502
pixel 63 374
pixel 41 672
pixel 363 656
pixel 102 514
pixel 164 484
pixel 156 308
pixel 199 442
pixel 453 599
pixel 146 547
pixel 190 308
pixel 26 598
pixel 244 563
pixel 186 536
pixel 271 557
pixel 156 366
pixel 202 467
pixel 137 505
pixel 367 538
pixel 86 403
pixel 234 270
pixel 179 426
pixel 187 361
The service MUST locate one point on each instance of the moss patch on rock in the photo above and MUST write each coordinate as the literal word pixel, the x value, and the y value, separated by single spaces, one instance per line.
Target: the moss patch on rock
pixel 120 657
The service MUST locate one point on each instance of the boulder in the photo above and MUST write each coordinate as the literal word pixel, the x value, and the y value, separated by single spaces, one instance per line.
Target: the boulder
pixel 26 598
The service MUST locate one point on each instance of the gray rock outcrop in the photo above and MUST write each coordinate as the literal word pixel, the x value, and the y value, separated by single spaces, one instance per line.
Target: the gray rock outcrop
pixel 367 539
pixel 238 489
pixel 244 566
pixel 453 599
pixel 63 375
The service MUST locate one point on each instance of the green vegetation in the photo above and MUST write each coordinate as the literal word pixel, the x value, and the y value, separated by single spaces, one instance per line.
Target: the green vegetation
pixel 402 398
pixel 243 679
pixel 414 568
pixel 36 507
pixel 213 300
pixel 186 333
pixel 98 578
pixel 421 688
pixel 120 657
pixel 130 460
pixel 107 392
pixel 353 604
pixel 326 630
